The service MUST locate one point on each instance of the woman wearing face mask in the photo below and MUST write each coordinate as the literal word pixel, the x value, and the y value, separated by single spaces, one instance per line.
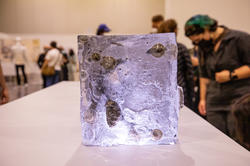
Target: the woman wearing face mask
pixel 224 57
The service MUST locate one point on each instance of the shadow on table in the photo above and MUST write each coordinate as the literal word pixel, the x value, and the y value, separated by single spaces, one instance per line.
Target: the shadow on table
pixel 158 155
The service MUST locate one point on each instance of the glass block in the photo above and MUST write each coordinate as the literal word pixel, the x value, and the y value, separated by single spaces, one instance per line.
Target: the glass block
pixel 129 91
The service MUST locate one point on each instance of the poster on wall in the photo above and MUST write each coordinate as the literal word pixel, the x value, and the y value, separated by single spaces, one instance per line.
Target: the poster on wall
pixel 32 51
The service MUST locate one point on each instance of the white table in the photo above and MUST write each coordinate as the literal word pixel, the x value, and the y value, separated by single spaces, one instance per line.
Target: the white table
pixel 43 129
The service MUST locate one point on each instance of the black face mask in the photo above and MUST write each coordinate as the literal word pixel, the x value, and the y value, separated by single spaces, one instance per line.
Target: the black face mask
pixel 206 45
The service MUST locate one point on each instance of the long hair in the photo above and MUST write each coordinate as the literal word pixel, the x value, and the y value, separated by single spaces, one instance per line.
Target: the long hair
pixel 241 112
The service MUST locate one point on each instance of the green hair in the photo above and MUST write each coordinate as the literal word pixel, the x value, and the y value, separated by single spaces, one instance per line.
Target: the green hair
pixel 198 23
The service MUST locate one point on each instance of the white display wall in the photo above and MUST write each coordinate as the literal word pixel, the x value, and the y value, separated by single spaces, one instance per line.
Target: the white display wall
pixel 78 16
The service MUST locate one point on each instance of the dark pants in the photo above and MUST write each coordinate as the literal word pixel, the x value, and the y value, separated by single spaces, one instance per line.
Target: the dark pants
pixel 44 81
pixel 224 121
pixel 18 76
pixel 51 80
pixel 65 76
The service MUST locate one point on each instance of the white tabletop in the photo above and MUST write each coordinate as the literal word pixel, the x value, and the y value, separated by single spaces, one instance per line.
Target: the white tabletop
pixel 43 129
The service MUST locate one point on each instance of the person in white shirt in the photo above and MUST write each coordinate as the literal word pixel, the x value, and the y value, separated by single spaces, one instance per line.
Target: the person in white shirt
pixel 19 56
pixel 53 58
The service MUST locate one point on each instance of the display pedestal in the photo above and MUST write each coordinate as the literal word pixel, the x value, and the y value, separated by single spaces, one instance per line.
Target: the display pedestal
pixel 43 129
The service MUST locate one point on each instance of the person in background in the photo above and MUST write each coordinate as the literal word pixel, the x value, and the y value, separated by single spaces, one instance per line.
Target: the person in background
pixel 71 65
pixel 65 61
pixel 185 71
pixel 53 59
pixel 41 60
pixel 224 60
pixel 19 56
pixel 194 56
pixel 241 112
pixel 156 22
pixel 195 64
pixel 4 96
pixel 102 29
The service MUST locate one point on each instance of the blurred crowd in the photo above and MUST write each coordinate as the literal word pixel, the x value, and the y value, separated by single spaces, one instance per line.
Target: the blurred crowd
pixel 56 64
pixel 214 74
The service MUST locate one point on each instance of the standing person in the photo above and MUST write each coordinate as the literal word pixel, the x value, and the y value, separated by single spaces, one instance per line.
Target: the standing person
pixel 224 57
pixel 64 68
pixel 241 112
pixel 71 65
pixel 40 62
pixel 4 96
pixel 156 22
pixel 19 55
pixel 195 64
pixel 102 29
pixel 185 74
pixel 53 59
